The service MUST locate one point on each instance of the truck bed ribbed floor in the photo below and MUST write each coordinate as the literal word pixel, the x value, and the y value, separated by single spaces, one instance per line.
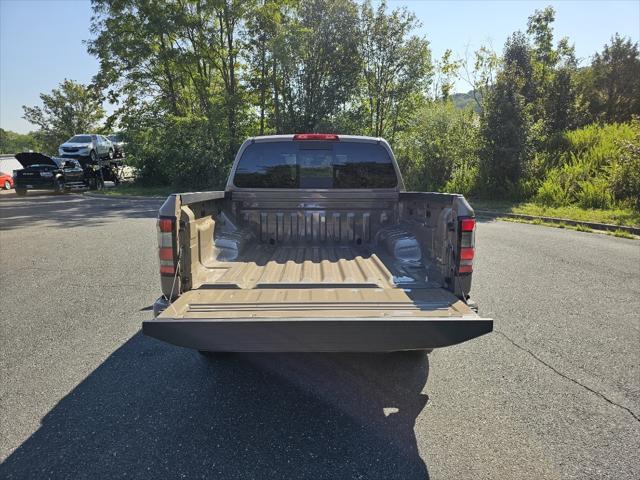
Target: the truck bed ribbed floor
pixel 282 266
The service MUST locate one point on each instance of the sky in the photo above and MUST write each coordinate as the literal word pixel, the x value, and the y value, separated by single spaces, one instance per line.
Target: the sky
pixel 36 59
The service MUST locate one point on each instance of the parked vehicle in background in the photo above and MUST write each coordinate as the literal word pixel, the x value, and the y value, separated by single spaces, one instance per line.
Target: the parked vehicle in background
pixel 89 146
pixel 42 172
pixel 99 171
pixel 315 246
pixel 6 181
pixel 118 145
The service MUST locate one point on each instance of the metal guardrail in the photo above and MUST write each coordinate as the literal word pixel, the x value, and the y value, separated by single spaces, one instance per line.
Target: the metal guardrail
pixel 593 225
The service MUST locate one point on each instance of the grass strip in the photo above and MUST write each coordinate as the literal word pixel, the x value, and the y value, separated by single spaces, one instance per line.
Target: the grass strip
pixel 617 216
pixel 138 190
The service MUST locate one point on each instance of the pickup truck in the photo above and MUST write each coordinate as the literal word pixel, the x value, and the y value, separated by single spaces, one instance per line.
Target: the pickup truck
pixel 47 173
pixel 315 246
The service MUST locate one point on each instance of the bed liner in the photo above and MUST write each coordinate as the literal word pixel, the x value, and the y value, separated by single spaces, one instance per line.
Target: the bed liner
pixel 265 266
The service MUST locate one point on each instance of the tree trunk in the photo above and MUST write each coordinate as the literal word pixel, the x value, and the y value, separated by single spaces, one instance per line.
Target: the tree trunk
pixel 263 86
pixel 167 70
pixel 276 101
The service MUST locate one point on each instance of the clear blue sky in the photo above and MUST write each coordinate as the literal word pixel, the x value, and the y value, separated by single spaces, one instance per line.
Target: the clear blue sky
pixel 41 42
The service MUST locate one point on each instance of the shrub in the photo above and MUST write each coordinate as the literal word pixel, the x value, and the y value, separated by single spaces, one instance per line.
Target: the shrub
pixel 624 174
pixel 179 151
pixel 601 167
pixel 551 193
pixel 527 188
pixel 438 150
pixel 464 181
pixel 594 194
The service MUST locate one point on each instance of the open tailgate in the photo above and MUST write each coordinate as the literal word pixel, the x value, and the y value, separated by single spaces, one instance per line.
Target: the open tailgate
pixel 316 320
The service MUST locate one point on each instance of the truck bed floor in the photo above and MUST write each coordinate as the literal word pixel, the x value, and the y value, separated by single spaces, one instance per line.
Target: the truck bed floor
pixel 305 266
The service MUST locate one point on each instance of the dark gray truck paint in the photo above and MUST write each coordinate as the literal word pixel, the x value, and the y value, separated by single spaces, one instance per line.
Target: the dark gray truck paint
pixel 315 269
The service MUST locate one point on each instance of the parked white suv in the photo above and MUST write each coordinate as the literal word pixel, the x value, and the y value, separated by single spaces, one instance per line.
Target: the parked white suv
pixel 89 146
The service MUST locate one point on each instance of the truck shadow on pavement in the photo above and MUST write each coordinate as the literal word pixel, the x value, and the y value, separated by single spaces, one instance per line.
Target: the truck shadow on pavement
pixel 70 210
pixel 155 411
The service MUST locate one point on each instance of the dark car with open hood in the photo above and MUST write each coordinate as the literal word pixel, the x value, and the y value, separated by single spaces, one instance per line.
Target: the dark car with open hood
pixel 42 172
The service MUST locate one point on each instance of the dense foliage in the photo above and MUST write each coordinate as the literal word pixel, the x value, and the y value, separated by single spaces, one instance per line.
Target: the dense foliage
pixel 438 149
pixel 598 167
pixel 12 142
pixel 192 78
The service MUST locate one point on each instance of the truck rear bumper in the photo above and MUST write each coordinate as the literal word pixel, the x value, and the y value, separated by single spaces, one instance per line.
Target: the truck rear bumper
pixel 34 183
pixel 316 334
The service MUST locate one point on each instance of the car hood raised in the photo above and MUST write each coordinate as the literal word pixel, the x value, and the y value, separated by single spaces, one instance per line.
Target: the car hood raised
pixel 28 159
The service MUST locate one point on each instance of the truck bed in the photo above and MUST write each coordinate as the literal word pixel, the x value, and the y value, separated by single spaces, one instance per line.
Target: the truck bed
pixel 316 298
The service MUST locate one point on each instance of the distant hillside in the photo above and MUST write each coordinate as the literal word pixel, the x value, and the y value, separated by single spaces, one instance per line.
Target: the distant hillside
pixel 465 100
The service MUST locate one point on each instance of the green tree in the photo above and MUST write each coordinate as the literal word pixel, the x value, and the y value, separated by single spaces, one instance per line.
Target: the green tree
pixel 69 109
pixel 516 60
pixel 539 27
pixel 318 65
pixel 230 15
pixel 207 73
pixel 480 74
pixel 613 85
pixel 447 69
pixel 134 42
pixel 396 66
pixel 543 59
pixel 554 69
pixel 262 31
pixel 183 57
pixel 560 104
pixel 505 123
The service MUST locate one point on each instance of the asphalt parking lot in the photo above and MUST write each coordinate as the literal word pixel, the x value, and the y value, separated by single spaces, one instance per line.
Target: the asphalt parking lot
pixel 553 393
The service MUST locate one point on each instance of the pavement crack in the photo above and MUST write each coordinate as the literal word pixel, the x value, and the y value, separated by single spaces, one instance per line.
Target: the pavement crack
pixel 555 370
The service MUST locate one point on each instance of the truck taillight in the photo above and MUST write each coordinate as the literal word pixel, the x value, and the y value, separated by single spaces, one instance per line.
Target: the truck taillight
pixel 166 246
pixel 466 251
pixel 468 224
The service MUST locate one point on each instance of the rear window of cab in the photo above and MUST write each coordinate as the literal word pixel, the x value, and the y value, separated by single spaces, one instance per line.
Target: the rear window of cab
pixel 315 165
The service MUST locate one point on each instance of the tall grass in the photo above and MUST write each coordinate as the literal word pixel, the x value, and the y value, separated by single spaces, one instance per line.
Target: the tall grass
pixel 595 168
